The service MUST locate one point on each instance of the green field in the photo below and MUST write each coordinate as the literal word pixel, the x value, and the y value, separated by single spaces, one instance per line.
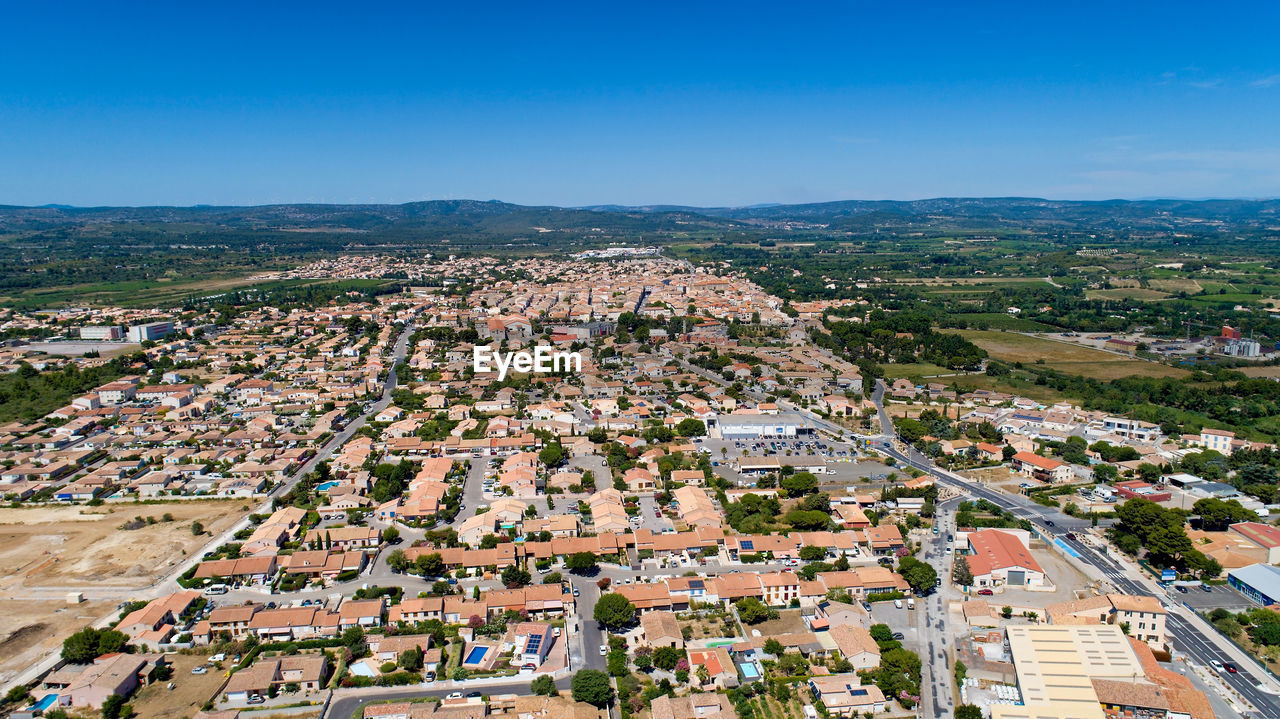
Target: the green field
pixel 1001 321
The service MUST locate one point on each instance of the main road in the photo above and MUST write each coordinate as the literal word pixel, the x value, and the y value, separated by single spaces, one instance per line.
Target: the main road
pixel 1251 682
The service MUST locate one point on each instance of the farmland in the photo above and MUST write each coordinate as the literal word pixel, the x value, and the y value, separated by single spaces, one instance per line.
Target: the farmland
pixel 1065 357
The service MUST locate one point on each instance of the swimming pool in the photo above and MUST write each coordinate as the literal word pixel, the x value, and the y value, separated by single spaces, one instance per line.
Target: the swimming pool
pixel 45 702
pixel 325 486
pixel 476 655
pixel 749 671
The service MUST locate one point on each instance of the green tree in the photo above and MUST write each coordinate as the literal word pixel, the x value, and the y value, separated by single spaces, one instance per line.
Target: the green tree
pixel 968 711
pixel 197 528
pixel 551 455
pixel 691 427
pixel 961 573
pixel 390 535
pixel 614 611
pixel 592 686
pixel 544 685
pixel 810 553
pixel 113 707
pixel 430 565
pixel 800 483
pixel 581 563
pixel 397 561
pixel 752 610
pixel 1216 514
pixel 667 658
pixel 513 577
pixel 411 659
pixel 353 640
pixel 919 575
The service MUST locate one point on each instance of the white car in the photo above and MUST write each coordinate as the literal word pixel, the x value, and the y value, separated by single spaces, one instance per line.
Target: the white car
pixel 1217 665
pixel 604 649
pixel 454 695
pixel 202 669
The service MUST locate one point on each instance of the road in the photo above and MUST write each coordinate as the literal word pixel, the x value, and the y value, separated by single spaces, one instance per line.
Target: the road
pixel 170 582
pixel 1186 636
pixel 345 706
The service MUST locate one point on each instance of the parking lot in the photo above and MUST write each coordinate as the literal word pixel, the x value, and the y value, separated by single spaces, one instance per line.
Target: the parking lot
pixel 1220 596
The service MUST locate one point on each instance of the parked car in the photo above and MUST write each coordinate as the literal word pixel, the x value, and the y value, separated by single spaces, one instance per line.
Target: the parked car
pixel 1206 588
pixel 604 649
pixel 256 699
pixel 202 669
pixel 454 695
pixel 985 592
pixel 899 636
pixel 1182 589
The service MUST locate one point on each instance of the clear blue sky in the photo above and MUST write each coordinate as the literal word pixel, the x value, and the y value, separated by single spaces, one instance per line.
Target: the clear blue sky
pixel 689 103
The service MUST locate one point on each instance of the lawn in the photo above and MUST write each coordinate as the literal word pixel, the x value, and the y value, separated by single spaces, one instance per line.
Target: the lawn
pixel 1066 357
pixel 914 369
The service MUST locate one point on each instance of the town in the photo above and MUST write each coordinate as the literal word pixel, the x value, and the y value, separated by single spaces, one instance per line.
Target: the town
pixel 261 506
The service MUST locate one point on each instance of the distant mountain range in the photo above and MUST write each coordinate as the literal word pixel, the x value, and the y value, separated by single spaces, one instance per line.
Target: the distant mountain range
pixel 494 220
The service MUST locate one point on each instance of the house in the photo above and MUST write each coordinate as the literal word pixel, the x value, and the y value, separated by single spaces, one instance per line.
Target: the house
pixel 1041 468
pixel 1144 616
pixel 706 705
pixel 720 670
pixel 110 674
pixel 660 629
pixel 856 644
pixel 389 648
pixel 532 642
pixel 305 671
pixel 844 695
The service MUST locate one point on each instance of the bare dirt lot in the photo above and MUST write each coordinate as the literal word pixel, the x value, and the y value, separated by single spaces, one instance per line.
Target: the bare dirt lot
pixel 189 693
pixel 75 546
pixel 29 630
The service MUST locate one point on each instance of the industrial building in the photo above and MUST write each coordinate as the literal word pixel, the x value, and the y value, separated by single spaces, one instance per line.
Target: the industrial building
pixel 149 331
pixel 111 333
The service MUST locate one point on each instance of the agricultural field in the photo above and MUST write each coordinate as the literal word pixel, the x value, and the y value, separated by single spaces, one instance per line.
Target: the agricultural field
pixel 1128 293
pixel 1066 357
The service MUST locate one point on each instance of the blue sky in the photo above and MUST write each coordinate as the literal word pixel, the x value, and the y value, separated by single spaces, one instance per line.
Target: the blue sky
pixel 646 103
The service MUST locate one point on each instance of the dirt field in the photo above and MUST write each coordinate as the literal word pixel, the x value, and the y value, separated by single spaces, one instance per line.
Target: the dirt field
pixel 1260 371
pixel 1134 293
pixel 1001 477
pixel 1188 285
pixel 29 630
pixel 1065 357
pixel 789 621
pixel 75 546
pixel 189 693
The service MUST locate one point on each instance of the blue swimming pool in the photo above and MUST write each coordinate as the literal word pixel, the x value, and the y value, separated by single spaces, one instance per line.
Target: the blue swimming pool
pixel 325 486
pixel 45 702
pixel 749 671
pixel 476 655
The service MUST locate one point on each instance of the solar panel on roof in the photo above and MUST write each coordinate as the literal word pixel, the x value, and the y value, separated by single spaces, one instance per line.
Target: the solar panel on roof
pixel 747 544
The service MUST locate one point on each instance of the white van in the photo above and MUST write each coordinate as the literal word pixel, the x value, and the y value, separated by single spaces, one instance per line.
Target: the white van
pixel 215 590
